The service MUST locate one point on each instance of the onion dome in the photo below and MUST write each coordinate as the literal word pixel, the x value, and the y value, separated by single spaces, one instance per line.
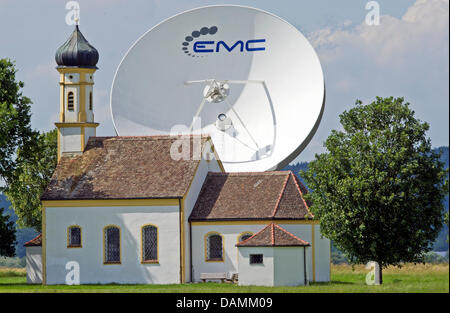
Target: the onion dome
pixel 77 51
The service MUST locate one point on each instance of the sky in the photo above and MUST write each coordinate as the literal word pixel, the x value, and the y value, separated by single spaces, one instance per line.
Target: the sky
pixel 406 55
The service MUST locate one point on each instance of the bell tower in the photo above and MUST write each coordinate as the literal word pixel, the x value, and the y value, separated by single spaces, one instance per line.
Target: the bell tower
pixel 76 60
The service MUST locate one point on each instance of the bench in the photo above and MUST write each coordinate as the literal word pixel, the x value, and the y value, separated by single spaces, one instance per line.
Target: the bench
pixel 213 276
pixel 220 276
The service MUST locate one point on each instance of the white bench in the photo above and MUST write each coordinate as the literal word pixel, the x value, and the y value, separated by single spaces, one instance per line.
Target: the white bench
pixel 213 276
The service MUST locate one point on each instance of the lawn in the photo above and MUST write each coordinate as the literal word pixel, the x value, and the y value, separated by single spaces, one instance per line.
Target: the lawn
pixel 409 278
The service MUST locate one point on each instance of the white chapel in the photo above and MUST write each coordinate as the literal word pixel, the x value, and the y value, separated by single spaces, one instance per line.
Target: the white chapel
pixel 129 213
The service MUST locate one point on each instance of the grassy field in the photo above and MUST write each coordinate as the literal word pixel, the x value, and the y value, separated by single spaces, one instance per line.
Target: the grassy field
pixel 410 278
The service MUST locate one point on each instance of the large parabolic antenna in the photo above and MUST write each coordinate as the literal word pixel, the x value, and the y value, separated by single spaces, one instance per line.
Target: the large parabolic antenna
pixel 246 77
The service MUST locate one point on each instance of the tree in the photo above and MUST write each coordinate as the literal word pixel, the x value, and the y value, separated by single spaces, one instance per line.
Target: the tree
pixel 446 221
pixel 31 177
pixel 15 117
pixel 7 236
pixel 379 189
pixel 27 158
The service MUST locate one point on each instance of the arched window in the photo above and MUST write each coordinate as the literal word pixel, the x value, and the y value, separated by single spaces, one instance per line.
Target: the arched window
pixel 74 236
pixel 149 244
pixel 91 105
pixel 70 105
pixel 244 236
pixel 214 247
pixel 111 244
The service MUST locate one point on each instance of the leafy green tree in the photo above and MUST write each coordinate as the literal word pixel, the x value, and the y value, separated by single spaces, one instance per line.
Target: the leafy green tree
pixel 27 158
pixel 446 221
pixel 31 177
pixel 379 189
pixel 15 117
pixel 7 236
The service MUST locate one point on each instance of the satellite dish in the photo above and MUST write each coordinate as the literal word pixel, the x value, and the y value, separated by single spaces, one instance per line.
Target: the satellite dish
pixel 251 79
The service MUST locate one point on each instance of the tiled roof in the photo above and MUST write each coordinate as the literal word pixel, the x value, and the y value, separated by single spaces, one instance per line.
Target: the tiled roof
pixel 35 242
pixel 273 236
pixel 123 168
pixel 261 195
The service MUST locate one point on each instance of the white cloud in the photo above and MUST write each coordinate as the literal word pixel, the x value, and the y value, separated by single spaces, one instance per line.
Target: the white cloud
pixel 405 56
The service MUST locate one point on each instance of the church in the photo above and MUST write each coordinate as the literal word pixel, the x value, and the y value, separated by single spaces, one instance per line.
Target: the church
pixel 129 213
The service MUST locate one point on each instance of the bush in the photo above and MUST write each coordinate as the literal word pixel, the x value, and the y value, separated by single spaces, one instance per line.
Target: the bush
pixel 13 262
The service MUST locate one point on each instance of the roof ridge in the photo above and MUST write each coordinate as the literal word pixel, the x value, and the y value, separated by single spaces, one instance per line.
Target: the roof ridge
pixel 301 196
pixel 266 173
pixel 277 204
pixel 273 233
pixel 30 241
pixel 154 137
pixel 289 233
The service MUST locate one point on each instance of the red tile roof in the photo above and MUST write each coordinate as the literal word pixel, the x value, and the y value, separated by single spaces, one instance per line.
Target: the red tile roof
pixel 273 236
pixel 35 242
pixel 124 168
pixel 250 196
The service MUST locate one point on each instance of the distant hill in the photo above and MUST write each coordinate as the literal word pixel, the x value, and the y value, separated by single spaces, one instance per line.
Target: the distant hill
pixel 26 234
pixel 441 243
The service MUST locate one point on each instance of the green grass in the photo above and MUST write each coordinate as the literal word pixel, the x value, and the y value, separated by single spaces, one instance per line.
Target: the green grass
pixel 410 278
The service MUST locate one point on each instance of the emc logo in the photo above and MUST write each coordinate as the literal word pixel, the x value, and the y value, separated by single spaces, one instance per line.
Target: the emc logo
pixel 202 48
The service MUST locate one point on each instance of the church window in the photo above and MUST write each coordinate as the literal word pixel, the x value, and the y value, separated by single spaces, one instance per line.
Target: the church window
pixel 214 247
pixel 111 242
pixel 244 236
pixel 70 100
pixel 74 236
pixel 149 244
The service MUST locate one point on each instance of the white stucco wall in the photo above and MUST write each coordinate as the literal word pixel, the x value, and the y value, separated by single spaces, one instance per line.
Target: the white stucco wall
pixel 197 183
pixel 323 256
pixel 70 139
pixel 34 265
pixel 282 266
pixel 89 113
pixel 289 266
pixel 88 132
pixel 230 235
pixel 90 257
pixel 256 274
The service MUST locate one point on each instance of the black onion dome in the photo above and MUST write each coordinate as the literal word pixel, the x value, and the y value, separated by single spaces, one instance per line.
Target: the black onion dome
pixel 77 51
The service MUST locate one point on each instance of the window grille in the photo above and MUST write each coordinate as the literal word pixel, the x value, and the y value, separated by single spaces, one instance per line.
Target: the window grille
pixel 70 105
pixel 112 244
pixel 149 243
pixel 256 259
pixel 214 248
pixel 74 236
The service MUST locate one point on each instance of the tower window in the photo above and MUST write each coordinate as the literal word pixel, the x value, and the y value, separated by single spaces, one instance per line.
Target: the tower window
pixel 90 101
pixel 70 105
